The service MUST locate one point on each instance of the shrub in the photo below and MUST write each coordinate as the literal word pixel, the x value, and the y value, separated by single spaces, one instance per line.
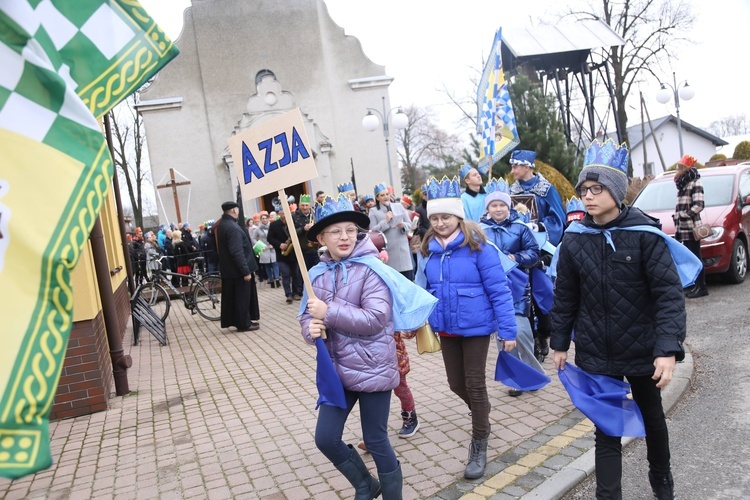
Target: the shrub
pixel 742 151
pixel 718 156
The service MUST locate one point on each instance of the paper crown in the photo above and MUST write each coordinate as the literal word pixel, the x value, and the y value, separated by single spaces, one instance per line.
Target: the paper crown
pixel 305 198
pixel 445 188
pixel 607 154
pixel 497 185
pixel 465 171
pixel 688 161
pixel 332 205
pixel 406 199
pixel 345 187
pixel 379 188
pixel 574 205
pixel 368 197
pixel 523 157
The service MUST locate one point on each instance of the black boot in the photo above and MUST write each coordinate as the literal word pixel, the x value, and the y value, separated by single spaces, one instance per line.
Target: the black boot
pixel 392 484
pixel 477 459
pixel 411 424
pixel 662 486
pixel 698 291
pixel 354 469
pixel 543 346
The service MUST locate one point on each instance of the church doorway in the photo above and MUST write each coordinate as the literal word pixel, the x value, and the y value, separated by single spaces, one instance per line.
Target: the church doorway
pixel 267 201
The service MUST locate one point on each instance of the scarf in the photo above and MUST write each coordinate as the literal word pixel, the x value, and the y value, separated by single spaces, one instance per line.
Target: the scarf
pixel 688 265
pixel 412 305
pixel 690 174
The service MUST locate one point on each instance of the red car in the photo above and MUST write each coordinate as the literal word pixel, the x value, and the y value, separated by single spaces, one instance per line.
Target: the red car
pixel 727 195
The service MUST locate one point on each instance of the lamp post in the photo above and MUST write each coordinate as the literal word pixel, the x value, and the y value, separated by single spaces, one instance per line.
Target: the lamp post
pixel 400 121
pixel 682 91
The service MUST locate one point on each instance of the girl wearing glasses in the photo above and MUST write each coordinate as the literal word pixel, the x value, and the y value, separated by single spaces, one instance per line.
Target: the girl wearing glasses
pixel 461 271
pixel 358 303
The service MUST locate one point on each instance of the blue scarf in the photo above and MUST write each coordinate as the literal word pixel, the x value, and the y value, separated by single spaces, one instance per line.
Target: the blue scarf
pixel 688 265
pixel 412 305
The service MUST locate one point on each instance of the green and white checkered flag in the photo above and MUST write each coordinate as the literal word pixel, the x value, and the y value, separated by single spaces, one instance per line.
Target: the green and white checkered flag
pixel 64 63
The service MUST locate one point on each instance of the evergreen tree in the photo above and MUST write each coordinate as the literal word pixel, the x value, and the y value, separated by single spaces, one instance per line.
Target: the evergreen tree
pixel 540 129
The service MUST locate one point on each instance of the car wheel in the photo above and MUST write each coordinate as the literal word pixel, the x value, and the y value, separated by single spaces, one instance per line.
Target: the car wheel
pixel 738 265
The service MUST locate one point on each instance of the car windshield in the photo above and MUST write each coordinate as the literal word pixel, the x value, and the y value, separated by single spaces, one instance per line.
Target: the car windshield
pixel 717 190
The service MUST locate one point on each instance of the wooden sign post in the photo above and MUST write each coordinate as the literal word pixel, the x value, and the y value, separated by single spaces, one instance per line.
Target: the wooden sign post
pixel 270 157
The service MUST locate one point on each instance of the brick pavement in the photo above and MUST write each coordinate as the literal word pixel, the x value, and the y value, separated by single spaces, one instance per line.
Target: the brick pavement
pixel 216 414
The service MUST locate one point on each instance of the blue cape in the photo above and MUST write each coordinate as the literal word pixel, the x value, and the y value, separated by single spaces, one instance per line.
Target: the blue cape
pixel 688 265
pixel 604 401
pixel 517 374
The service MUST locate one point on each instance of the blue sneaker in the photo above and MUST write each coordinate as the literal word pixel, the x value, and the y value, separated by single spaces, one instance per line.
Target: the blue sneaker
pixel 411 424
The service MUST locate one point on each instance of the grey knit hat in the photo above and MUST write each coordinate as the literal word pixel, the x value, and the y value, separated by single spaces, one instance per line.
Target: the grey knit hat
pixel 606 164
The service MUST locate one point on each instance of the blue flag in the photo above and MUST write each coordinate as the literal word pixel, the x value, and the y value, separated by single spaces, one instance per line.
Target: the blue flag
pixel 517 374
pixel 604 400
pixel 330 388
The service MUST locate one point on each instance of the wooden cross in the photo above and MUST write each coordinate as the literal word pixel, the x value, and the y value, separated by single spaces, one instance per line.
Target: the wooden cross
pixel 173 184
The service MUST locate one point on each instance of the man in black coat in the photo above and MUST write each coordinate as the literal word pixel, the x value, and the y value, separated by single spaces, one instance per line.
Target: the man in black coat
pixel 239 297
pixel 291 279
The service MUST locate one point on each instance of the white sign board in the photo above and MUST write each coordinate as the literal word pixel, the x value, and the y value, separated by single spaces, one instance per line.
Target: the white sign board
pixel 273 155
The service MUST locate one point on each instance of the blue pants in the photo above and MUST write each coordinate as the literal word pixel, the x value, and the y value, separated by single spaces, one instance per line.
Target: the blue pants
pixel 374 408
pixel 272 271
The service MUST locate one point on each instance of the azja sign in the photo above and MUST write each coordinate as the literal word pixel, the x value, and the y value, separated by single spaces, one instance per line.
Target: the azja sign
pixel 273 155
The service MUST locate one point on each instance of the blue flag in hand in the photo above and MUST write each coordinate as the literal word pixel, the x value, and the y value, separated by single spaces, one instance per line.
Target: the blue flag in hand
pixel 517 374
pixel 604 400
pixel 330 388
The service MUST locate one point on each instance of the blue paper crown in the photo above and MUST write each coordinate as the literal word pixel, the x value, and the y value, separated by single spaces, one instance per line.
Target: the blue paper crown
pixel 607 155
pixel 465 171
pixel 380 188
pixel 345 187
pixel 331 206
pixel 574 205
pixel 497 185
pixel 445 188
pixel 368 197
pixel 523 157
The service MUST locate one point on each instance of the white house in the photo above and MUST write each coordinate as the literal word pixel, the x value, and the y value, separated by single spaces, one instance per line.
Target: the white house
pixel 645 155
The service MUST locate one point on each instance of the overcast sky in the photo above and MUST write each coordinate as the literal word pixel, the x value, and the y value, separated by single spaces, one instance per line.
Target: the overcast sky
pixel 426 45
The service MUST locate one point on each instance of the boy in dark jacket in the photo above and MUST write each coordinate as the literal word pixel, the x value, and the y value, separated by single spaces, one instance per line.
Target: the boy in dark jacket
pixel 618 288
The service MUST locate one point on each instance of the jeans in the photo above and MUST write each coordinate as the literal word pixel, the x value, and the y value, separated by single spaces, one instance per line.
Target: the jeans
pixel 465 361
pixel 374 408
pixel 695 247
pixel 609 449
pixel 272 271
pixel 291 279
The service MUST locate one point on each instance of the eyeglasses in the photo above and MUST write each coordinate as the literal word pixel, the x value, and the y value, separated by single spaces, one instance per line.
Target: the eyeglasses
pixel 595 190
pixel 444 218
pixel 337 233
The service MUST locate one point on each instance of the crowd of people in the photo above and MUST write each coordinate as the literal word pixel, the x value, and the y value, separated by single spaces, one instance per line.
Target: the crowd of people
pixel 503 261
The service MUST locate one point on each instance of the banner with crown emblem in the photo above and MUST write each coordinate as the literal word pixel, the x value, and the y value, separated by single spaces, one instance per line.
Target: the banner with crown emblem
pixel 64 64
pixel 496 122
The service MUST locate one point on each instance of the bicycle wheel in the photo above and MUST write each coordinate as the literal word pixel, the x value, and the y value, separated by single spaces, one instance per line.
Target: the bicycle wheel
pixel 207 298
pixel 157 298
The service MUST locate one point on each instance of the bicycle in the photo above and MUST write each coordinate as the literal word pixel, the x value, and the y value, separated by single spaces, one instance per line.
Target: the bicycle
pixel 203 296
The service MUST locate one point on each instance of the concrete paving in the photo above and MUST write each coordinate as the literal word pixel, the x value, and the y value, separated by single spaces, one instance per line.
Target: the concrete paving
pixel 218 414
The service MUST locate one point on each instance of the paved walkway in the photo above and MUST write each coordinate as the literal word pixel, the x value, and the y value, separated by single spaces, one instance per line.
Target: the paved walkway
pixel 216 414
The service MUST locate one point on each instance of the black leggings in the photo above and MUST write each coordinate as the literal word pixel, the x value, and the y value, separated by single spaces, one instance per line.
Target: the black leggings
pixel 695 247
pixel 609 449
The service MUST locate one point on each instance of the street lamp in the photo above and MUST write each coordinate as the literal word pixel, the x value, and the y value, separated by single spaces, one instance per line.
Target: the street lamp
pixel 400 121
pixel 684 92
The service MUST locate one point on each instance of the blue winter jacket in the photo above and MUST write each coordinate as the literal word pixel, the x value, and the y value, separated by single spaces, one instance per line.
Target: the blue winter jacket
pixel 514 237
pixel 472 289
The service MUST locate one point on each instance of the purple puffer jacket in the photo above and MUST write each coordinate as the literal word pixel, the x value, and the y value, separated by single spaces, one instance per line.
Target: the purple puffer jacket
pixel 358 323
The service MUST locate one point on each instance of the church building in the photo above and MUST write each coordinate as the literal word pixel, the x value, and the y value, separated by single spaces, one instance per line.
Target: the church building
pixel 242 62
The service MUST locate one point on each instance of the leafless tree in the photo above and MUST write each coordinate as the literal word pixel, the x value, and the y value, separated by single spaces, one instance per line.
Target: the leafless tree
pixel 731 125
pixel 651 30
pixel 129 144
pixel 422 143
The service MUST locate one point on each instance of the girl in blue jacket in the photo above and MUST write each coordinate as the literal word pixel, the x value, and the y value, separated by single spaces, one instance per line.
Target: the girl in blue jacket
pixel 461 271
pixel 514 238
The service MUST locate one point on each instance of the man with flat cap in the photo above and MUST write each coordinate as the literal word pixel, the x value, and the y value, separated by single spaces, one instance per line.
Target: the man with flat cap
pixel 239 299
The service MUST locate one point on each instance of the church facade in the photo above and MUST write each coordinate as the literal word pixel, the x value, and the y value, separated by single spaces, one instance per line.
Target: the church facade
pixel 242 62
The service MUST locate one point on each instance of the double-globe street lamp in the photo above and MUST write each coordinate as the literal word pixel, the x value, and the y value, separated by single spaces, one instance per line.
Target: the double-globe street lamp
pixel 399 120
pixel 682 91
